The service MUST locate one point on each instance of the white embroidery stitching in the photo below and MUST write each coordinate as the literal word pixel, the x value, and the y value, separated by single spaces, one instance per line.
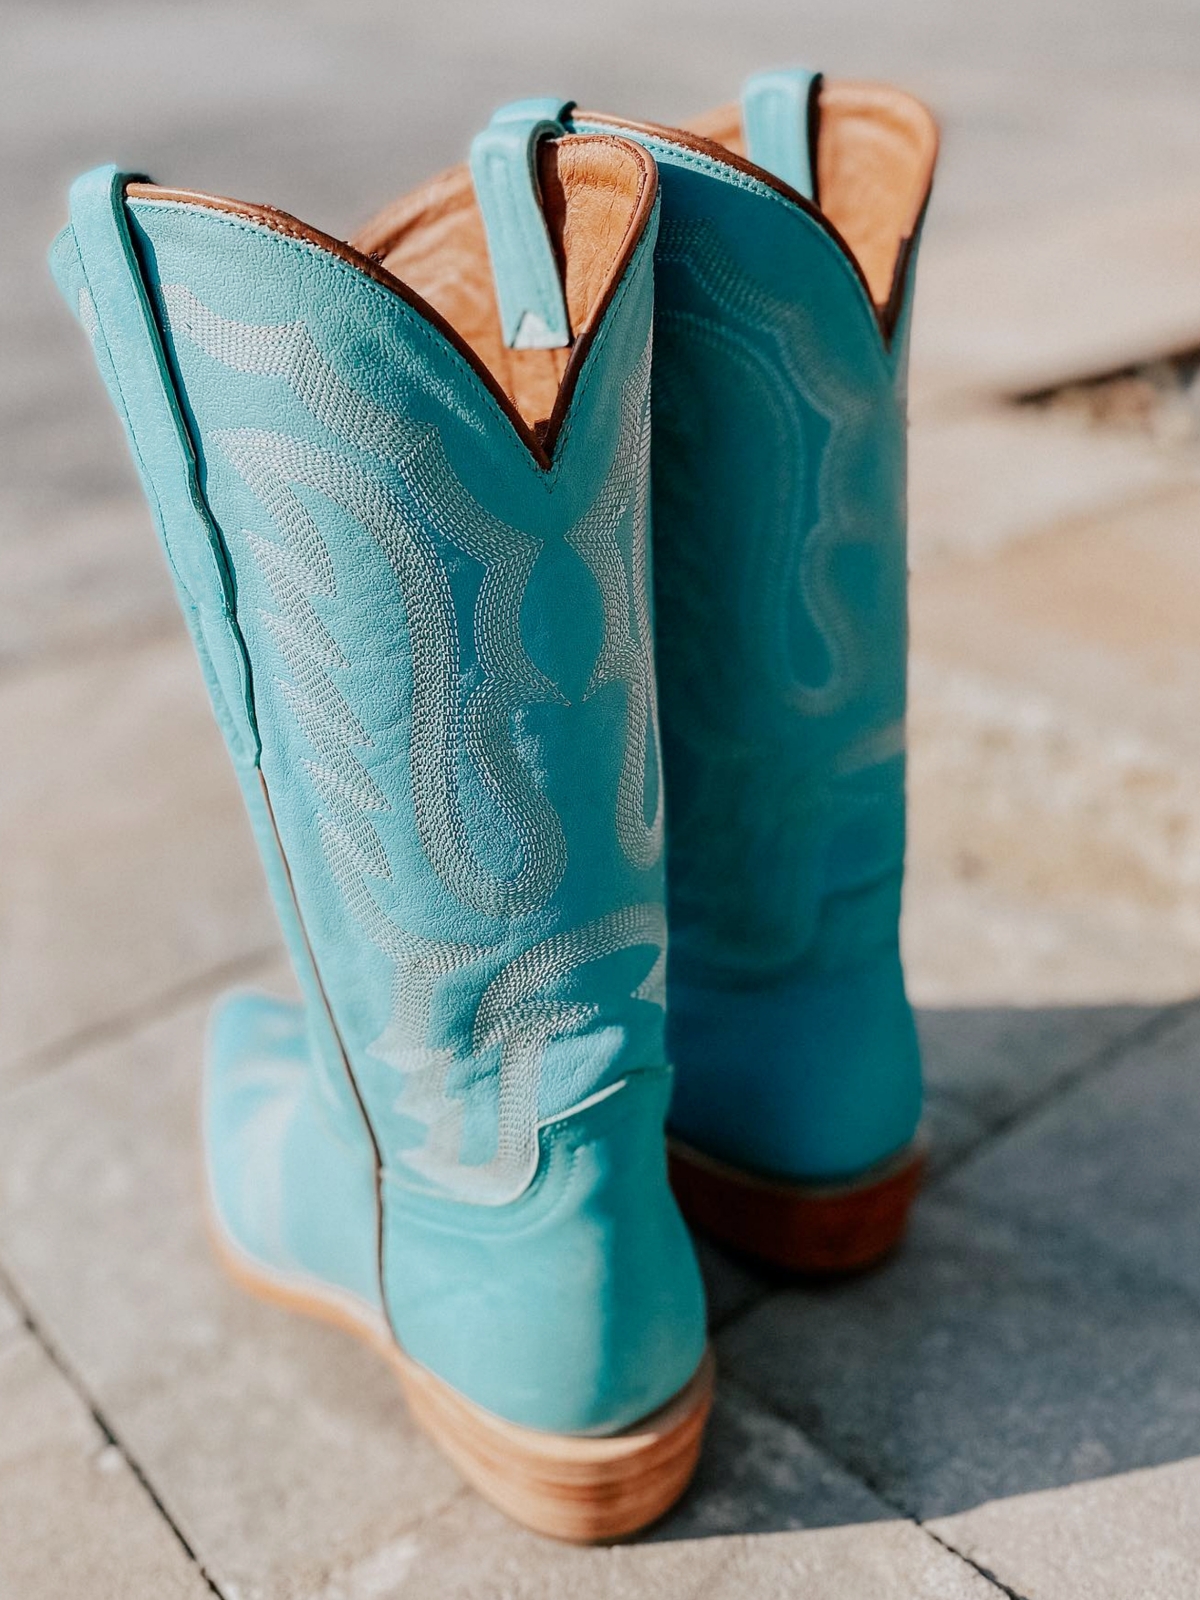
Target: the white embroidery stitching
pixel 272 463
pixel 516 1015
pixel 694 247
pixel 722 826
pixel 627 654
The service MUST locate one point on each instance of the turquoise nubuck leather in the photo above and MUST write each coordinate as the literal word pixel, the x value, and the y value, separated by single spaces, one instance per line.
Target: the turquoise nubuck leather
pixel 780 595
pixel 430 656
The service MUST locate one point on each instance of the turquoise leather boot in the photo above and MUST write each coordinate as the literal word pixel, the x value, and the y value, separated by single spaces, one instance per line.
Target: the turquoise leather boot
pixel 783 293
pixel 407 518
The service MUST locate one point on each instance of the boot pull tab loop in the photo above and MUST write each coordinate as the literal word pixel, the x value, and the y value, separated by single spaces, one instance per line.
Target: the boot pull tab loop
pixel 780 117
pixel 529 292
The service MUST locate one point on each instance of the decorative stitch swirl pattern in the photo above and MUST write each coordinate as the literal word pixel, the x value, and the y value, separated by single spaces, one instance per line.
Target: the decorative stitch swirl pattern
pixel 402 524
pixel 788 776
pixel 517 1015
pixel 746 313
pixel 627 654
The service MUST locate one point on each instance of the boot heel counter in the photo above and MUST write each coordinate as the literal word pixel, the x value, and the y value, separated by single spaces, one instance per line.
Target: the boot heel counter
pixel 577 1308
pixel 816 1080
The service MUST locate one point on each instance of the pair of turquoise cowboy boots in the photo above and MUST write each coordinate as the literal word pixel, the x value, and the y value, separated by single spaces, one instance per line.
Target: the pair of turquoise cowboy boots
pixel 535 639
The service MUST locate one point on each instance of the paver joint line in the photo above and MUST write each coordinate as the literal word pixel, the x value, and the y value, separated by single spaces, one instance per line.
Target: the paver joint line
pixel 111 1030
pixel 1144 1033
pixel 985 1573
pixel 866 1481
pixel 9 1287
pixel 1103 1057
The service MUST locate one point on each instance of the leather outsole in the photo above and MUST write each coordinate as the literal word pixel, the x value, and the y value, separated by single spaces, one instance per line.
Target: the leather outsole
pixel 812 1229
pixel 584 1490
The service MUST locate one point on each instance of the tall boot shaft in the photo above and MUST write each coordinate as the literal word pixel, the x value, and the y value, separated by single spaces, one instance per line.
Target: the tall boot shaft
pixel 783 303
pixel 411 541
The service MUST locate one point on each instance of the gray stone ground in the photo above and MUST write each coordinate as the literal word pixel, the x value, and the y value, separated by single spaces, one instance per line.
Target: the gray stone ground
pixel 1012 1406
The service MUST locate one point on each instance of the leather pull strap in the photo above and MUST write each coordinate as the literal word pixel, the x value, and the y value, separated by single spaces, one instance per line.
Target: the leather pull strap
pixel 115 309
pixel 780 114
pixel 529 292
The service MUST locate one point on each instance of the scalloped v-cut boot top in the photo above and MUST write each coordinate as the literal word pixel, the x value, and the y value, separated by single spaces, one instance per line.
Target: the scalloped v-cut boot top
pixel 404 487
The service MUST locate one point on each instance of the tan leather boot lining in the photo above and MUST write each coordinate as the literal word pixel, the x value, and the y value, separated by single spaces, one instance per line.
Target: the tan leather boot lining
pixel 598 193
pixel 875 156
pixel 593 190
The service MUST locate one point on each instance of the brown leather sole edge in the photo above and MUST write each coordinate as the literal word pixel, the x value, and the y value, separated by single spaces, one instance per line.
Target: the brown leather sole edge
pixel 818 1230
pixel 583 1490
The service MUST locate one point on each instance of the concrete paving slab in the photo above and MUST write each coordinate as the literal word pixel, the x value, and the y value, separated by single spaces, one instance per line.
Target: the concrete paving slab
pixel 949 1128
pixel 1113 1160
pixel 890 1560
pixel 759 1474
pixel 984 1066
pixel 473 1555
pixel 471 1552
pixel 990 1358
pixel 128 866
pixel 731 1282
pixel 10 1317
pixel 768 1516
pixel 1134 1534
pixel 996 1061
pixel 281 1448
pixel 74 1520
